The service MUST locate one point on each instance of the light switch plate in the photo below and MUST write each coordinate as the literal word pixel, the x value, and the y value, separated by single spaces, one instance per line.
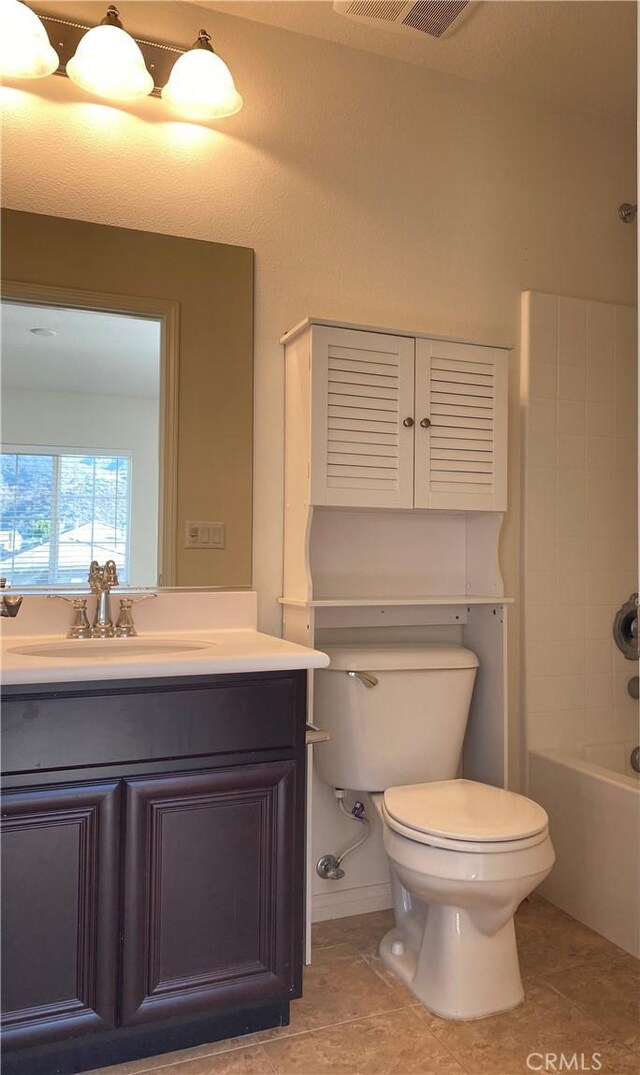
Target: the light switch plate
pixel 205 535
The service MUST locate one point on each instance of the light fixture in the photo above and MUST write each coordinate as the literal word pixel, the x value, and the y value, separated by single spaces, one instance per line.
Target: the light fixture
pixel 109 63
pixel 200 85
pixel 25 49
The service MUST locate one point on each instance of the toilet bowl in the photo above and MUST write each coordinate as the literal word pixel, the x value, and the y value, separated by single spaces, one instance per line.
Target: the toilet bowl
pixel 462 855
pixel 455 891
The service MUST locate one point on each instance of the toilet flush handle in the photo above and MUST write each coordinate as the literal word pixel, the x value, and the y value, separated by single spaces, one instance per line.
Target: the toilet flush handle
pixel 365 677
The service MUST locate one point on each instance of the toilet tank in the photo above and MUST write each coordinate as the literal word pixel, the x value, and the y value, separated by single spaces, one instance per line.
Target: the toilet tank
pixel 407 728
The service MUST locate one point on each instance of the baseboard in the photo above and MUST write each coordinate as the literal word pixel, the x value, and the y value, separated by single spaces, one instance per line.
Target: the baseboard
pixel 348 901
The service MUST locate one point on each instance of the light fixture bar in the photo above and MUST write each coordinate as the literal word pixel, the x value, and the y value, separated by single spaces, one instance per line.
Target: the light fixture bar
pixel 65 36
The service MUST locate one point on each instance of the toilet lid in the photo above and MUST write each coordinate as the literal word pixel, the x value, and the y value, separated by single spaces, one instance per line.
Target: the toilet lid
pixel 464 810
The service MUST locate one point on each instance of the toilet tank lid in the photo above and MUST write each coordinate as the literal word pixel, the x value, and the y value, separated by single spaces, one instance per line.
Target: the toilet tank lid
pixel 395 657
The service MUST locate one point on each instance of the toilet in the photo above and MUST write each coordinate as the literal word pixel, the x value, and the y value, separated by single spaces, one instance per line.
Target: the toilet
pixel 462 855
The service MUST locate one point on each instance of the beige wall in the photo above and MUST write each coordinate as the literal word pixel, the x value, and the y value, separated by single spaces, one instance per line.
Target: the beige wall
pixel 212 285
pixel 371 191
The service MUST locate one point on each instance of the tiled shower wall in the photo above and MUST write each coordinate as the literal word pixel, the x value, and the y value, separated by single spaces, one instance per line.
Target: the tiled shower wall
pixel 579 393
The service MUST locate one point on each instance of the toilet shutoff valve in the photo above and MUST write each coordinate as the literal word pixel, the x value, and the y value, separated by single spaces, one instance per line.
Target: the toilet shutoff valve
pixel 358 810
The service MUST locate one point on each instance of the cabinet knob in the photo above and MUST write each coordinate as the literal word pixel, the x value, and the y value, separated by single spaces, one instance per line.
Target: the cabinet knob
pixel 425 423
pixel 408 422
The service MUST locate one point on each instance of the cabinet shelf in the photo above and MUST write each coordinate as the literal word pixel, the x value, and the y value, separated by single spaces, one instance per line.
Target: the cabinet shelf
pixel 388 602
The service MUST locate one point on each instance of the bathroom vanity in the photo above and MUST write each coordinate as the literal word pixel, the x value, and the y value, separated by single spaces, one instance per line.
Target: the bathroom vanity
pixel 153 849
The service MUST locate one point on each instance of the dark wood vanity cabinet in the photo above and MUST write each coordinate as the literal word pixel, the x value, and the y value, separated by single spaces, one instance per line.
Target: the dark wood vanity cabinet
pixel 60 877
pixel 151 886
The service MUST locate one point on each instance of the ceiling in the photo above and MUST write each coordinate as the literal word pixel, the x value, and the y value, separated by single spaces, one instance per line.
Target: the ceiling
pixel 578 54
pixel 91 352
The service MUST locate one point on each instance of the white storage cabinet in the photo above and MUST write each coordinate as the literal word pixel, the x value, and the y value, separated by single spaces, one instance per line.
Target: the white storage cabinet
pixel 403 421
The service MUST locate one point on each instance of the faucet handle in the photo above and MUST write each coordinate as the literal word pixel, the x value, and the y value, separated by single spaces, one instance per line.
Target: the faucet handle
pixel 9 606
pixel 95 576
pixel 125 627
pixel 80 626
pixel 109 574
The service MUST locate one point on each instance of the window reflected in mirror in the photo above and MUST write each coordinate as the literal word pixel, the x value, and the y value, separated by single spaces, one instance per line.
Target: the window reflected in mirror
pixel 80 428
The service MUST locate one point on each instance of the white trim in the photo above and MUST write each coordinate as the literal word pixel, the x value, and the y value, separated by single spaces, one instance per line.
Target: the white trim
pixel 168 313
pixel 350 901
pixel 308 321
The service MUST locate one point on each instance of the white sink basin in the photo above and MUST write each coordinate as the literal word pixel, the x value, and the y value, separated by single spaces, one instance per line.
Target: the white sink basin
pixel 89 649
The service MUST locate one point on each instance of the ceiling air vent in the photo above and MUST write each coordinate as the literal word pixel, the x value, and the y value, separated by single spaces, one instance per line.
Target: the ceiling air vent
pixel 427 16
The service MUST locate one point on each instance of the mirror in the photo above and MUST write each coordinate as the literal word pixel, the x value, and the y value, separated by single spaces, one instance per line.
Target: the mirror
pixel 143 395
pixel 81 440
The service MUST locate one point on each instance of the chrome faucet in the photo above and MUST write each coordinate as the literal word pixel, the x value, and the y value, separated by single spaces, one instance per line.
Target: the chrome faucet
pixel 101 580
pixel 9 606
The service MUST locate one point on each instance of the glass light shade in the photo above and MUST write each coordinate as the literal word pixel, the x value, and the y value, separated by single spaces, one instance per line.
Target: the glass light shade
pixel 109 63
pixel 25 49
pixel 200 86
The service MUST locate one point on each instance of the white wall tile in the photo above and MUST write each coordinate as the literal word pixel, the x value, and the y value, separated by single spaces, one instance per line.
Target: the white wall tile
pixel 580 522
pixel 571 588
pixel 546 694
pixel 599 520
pixel 571 417
pixel 556 731
pixel 540 587
pixel 598 690
pixel 600 417
pixel 599 449
pixel 570 622
pixel 598 656
pixel 598 621
pixel 552 658
pixel 570 552
pixel 600 335
pixel 543 328
pixel 572 331
pixel 571 451
pixel 599 587
pixel 572 382
pixel 543 381
pixel 600 384
pixel 571 483
pixel 543 448
pixel 599 725
pixel 625 334
pixel 542 417
pixel 570 516
pixel 625 724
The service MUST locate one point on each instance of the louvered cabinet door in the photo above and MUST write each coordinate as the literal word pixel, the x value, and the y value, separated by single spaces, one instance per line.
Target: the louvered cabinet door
pixel 461 447
pixel 362 391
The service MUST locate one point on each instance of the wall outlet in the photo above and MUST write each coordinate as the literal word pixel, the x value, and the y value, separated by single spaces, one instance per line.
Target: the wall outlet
pixel 205 536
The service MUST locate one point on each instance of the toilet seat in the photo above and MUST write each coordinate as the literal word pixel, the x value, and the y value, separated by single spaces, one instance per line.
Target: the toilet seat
pixel 463 815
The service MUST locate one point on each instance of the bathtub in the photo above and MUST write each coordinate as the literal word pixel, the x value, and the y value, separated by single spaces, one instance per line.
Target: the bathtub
pixel 593 803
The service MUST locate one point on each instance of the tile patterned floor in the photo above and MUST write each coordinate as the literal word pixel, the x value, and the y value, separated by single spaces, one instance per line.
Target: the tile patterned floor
pixel 582 997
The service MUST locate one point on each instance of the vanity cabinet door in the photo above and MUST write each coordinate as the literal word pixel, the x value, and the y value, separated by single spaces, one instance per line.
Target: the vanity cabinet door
pixel 60 879
pixel 213 891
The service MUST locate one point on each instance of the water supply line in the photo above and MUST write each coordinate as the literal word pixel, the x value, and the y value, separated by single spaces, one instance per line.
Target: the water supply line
pixel 329 867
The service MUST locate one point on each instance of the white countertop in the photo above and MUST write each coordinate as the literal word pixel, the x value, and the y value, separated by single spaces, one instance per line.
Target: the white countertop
pixel 223 624
pixel 223 652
